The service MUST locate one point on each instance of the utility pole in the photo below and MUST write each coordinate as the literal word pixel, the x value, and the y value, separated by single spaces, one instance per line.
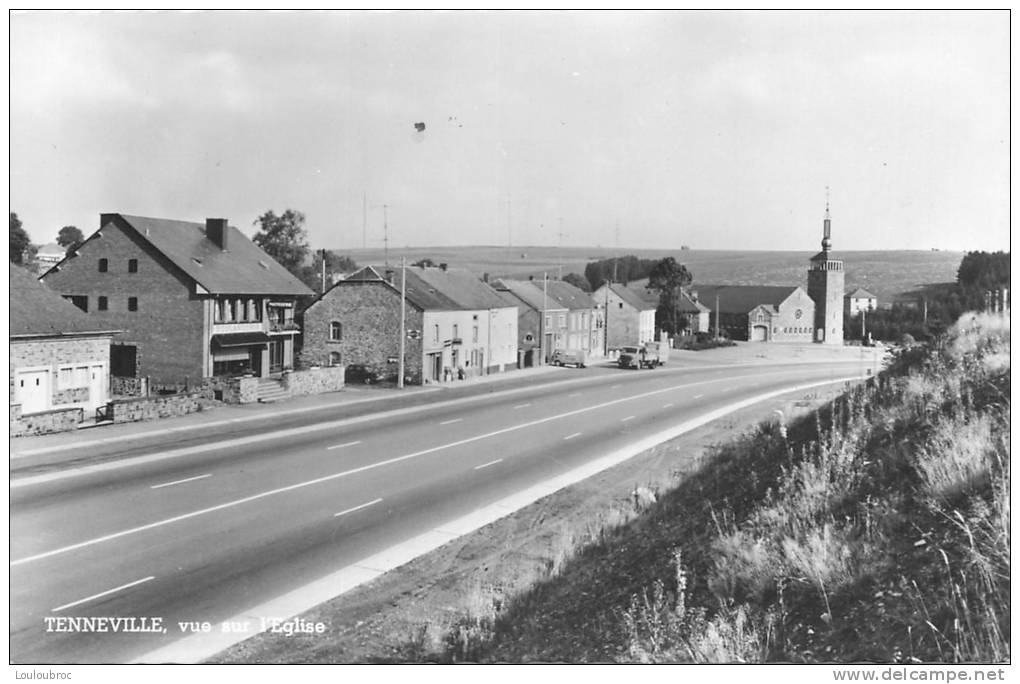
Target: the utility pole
pixel 605 323
pixel 403 324
pixel 386 235
pixel 864 315
pixel 323 290
pixel 509 233
pixel 717 316
pixel 542 349
pixel 364 220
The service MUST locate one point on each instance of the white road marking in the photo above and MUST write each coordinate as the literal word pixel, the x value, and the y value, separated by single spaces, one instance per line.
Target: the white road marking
pixel 575 394
pixel 448 422
pixel 177 482
pixel 576 434
pixel 667 405
pixel 345 444
pixel 101 594
pixel 197 647
pixel 486 465
pixel 357 508
pixel 624 420
pixel 380 464
pixel 520 406
pixel 614 386
pixel 698 396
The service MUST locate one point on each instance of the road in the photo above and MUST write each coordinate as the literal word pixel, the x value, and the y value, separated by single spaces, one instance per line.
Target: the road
pixel 206 527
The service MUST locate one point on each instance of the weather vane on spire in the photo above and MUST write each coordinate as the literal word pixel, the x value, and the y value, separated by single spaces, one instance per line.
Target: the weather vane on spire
pixel 826 237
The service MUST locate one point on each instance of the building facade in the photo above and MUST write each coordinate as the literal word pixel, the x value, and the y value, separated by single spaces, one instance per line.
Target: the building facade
pixel 859 300
pixel 535 303
pixel 758 313
pixel 59 357
pixel 193 300
pixel 456 326
pixel 629 319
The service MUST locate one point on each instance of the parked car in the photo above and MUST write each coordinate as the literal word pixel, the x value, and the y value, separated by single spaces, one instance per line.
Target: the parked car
pixel 569 357
pixel 358 373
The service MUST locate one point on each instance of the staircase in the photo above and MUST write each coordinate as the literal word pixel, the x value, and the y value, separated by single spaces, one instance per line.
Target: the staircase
pixel 271 390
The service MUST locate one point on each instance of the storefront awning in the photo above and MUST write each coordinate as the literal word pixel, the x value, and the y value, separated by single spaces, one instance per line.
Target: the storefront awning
pixel 242 339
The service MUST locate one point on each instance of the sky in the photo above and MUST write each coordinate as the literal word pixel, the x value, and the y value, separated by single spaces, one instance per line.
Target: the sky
pixel 716 130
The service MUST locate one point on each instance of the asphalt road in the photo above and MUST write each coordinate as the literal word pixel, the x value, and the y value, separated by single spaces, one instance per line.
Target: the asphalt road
pixel 200 527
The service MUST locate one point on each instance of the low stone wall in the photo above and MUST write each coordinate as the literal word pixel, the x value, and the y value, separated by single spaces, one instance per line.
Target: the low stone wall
pixel 314 380
pixel 149 408
pixel 127 387
pixel 237 390
pixel 44 422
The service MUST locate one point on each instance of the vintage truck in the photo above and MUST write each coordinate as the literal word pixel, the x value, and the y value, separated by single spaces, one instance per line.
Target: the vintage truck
pixel 648 355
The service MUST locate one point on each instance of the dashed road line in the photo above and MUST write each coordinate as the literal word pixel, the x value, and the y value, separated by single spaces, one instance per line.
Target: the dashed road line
pixel 576 434
pixel 520 406
pixel 102 594
pixel 449 422
pixel 667 405
pixel 345 444
pixel 177 482
pixel 624 420
pixel 490 463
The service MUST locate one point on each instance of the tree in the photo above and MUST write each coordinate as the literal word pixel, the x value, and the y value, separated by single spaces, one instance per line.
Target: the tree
pixel 578 281
pixel 20 242
pixel 668 278
pixel 70 237
pixel 335 263
pixel 425 263
pixel 284 238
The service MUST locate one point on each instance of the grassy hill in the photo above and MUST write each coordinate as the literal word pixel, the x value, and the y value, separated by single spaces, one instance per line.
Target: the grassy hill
pixel 887 274
pixel 876 530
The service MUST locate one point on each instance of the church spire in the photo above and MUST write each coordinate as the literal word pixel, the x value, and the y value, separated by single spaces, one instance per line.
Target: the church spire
pixel 827 225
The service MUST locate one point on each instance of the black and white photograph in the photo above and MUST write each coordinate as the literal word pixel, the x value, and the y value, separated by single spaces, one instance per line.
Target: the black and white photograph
pixel 502 337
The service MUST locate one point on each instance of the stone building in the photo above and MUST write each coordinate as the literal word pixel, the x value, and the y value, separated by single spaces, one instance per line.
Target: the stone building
pixel 629 318
pixel 194 300
pixel 758 313
pixel 455 325
pixel 825 287
pixel 59 359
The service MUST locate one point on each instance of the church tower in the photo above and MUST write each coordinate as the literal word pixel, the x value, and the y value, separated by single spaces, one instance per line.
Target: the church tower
pixel 825 287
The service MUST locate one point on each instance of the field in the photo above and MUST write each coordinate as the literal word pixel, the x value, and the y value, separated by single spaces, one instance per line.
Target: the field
pixel 887 274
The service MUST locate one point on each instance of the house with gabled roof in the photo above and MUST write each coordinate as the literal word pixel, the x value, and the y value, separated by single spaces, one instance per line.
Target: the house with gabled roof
pixel 59 360
pixel 455 325
pixel 629 317
pixel 541 318
pixel 859 300
pixel 584 328
pixel 760 313
pixel 194 301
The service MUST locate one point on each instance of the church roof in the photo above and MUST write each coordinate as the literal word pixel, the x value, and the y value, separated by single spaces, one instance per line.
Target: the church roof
pixel 742 298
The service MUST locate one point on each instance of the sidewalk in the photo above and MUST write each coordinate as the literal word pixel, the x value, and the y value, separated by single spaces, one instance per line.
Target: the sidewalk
pixel 223 414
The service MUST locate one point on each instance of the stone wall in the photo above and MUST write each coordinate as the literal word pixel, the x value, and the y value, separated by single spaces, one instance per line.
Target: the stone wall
pixel 45 422
pixel 369 315
pixel 314 380
pixel 149 408
pixel 232 390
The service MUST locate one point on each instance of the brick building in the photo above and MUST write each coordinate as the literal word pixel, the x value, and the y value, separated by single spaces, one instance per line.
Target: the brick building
pixel 194 300
pixel 455 325
pixel 758 313
pixel 541 319
pixel 59 357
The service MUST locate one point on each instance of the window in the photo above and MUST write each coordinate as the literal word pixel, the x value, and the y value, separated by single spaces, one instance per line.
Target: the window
pixel 132 265
pixel 621 305
pixel 81 376
pixel 335 331
pixel 65 376
pixel 455 331
pixel 104 265
pixel 132 303
pixel 474 334
pixel 435 333
pixel 563 320
pixel 548 321
pixel 80 301
pixel 334 358
pixel 102 304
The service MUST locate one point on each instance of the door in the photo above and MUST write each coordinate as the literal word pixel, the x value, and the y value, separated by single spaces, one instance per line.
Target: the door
pixel 32 391
pixel 275 356
pixel 97 386
pixel 759 333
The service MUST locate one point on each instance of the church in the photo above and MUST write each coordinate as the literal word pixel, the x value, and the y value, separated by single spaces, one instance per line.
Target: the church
pixel 783 313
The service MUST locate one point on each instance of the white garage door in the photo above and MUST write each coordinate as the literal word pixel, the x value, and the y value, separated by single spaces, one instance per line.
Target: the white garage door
pixel 32 390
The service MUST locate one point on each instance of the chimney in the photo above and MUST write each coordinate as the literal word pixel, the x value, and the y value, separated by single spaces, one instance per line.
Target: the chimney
pixel 531 278
pixel 693 294
pixel 485 277
pixel 216 230
pixel 389 276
